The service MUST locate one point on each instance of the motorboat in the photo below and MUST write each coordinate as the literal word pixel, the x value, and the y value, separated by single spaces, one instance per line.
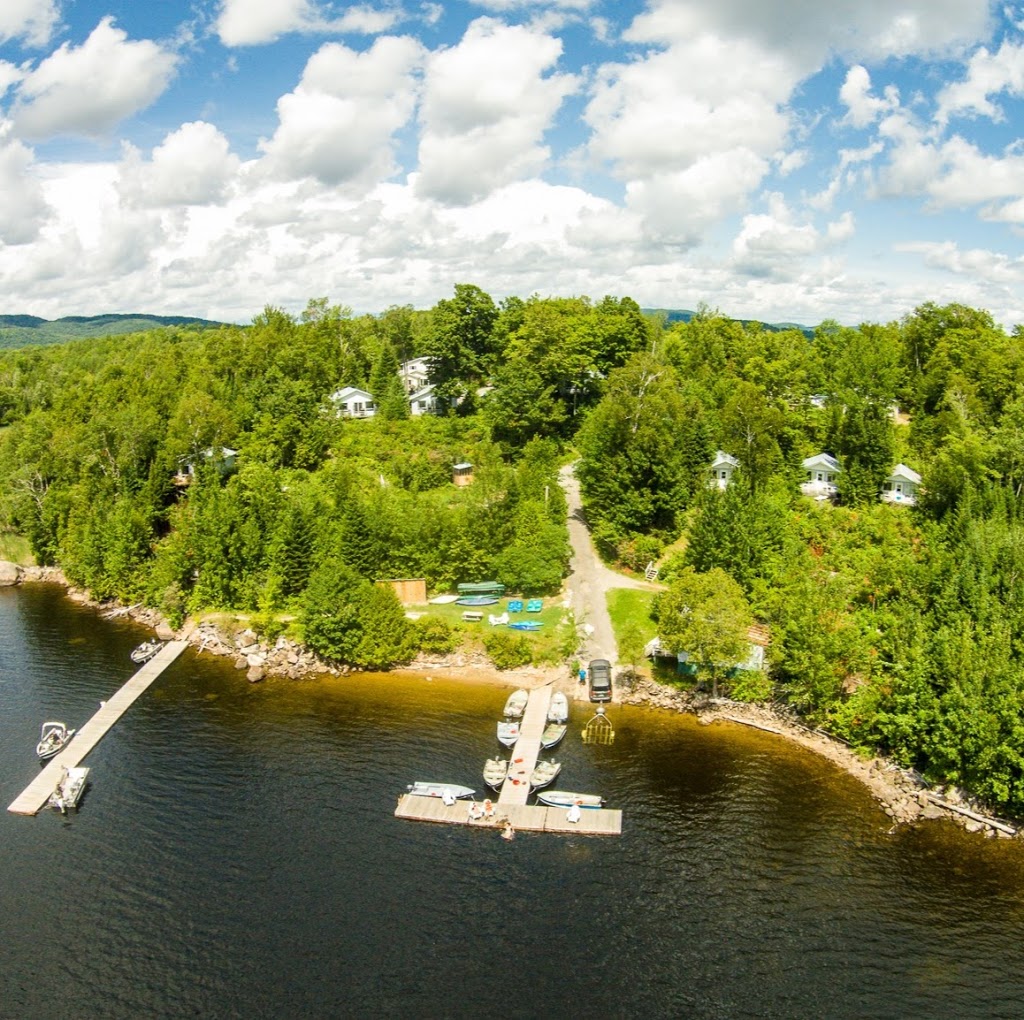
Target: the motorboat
pixel 544 774
pixel 516 704
pixel 495 771
pixel 552 735
pixel 53 737
pixel 558 710
pixel 564 799
pixel 146 651
pixel 508 733
pixel 445 791
pixel 69 789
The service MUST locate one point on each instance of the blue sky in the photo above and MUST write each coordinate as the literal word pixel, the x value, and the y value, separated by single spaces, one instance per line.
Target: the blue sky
pixel 775 159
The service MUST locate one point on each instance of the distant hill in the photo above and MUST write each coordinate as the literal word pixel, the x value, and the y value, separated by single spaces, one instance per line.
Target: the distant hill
pixel 29 330
pixel 685 315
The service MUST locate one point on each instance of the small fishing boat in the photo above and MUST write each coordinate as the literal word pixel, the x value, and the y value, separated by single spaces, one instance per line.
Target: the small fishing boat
pixel 443 790
pixel 495 771
pixel 552 735
pixel 564 799
pixel 53 737
pixel 146 651
pixel 508 733
pixel 69 789
pixel 544 774
pixel 558 710
pixel 516 704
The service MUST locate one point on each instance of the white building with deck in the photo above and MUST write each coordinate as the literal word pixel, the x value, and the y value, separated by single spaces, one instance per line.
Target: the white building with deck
pixel 822 472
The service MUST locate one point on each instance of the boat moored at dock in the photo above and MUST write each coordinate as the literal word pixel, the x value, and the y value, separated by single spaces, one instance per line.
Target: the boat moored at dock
pixel 53 737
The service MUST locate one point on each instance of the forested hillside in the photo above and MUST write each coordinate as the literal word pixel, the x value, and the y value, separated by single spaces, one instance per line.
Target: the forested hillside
pixel 894 626
pixel 27 330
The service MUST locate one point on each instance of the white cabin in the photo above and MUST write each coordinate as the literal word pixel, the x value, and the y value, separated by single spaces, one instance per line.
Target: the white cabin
pixel 424 401
pixel 722 468
pixel 901 486
pixel 822 471
pixel 352 402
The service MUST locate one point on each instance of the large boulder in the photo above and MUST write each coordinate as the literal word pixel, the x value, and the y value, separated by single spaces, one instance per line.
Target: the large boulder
pixel 10 573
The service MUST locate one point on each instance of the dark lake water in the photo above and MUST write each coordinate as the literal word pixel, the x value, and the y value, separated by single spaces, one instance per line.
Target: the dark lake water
pixel 237 856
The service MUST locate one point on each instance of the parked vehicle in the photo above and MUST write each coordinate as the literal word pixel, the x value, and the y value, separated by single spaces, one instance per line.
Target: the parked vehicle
pixel 600 672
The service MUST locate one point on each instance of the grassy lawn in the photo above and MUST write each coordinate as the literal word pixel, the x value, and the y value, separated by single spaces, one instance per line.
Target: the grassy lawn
pixel 15 549
pixel 547 643
pixel 630 610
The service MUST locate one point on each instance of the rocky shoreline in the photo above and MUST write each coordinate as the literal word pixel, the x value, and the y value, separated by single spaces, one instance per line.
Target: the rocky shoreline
pixel 903 795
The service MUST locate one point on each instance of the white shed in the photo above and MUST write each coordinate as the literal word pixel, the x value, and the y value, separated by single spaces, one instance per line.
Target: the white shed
pixel 352 402
pixel 822 471
pixel 901 486
pixel 722 468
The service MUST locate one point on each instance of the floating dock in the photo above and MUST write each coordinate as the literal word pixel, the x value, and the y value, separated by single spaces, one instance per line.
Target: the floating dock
pixel 88 736
pixel 511 805
pixel 524 817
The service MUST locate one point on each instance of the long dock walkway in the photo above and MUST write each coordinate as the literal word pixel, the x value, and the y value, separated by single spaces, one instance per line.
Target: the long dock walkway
pixel 512 806
pixel 38 791
pixel 526 751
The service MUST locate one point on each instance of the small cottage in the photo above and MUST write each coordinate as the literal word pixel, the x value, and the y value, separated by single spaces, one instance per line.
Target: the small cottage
pixel 225 458
pixel 722 468
pixel 901 486
pixel 462 474
pixel 822 471
pixel 352 402
pixel 424 401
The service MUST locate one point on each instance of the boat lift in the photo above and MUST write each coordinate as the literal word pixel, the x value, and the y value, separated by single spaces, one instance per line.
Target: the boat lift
pixel 599 730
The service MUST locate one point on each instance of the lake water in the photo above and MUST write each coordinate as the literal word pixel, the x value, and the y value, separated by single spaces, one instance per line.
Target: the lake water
pixel 236 855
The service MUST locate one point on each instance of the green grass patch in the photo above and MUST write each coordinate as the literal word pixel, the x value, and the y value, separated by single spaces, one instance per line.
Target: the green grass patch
pixel 15 549
pixel 630 610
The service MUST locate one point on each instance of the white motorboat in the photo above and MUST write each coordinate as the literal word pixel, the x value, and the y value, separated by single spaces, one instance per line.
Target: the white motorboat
pixel 544 774
pixel 558 710
pixel 146 651
pixel 516 704
pixel 552 735
pixel 53 737
pixel 508 733
pixel 445 791
pixel 564 799
pixel 495 771
pixel 69 789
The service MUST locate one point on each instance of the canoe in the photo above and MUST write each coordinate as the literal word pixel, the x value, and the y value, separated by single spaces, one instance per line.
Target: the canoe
pixel 552 735
pixel 508 733
pixel 439 790
pixel 564 799
pixel 544 773
pixel 477 600
pixel 495 771
pixel 558 710
pixel 516 704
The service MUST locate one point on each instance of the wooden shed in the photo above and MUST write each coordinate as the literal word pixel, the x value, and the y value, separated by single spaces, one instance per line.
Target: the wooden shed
pixel 410 590
pixel 462 474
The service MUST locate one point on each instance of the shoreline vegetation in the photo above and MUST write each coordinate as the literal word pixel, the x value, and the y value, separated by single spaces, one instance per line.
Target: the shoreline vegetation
pixel 900 793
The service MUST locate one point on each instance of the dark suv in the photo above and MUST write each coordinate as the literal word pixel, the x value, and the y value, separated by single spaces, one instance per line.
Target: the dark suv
pixel 600 680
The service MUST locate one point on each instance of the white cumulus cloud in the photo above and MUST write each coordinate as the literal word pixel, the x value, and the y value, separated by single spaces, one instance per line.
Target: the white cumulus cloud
pixel 31 20
pixel 988 74
pixel 192 166
pixel 487 103
pixel 863 108
pixel 87 90
pixel 339 124
pixel 253 22
pixel 22 205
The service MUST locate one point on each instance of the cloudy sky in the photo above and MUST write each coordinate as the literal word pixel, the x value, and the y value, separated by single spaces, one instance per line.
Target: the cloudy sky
pixel 776 159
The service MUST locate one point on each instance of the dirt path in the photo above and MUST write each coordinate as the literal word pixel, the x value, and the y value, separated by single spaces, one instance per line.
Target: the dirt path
pixel 590 580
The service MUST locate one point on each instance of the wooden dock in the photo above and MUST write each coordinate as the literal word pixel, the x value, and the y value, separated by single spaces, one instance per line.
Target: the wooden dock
pixel 524 817
pixel 511 805
pixel 88 736
pixel 516 787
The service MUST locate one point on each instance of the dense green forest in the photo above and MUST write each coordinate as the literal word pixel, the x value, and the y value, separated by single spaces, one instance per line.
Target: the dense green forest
pixel 26 330
pixel 895 627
